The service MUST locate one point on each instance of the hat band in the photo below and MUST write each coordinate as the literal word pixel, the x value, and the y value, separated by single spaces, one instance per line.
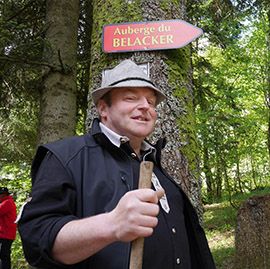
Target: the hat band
pixel 127 79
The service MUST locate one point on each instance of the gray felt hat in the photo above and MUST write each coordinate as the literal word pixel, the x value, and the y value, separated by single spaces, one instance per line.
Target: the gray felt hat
pixel 126 74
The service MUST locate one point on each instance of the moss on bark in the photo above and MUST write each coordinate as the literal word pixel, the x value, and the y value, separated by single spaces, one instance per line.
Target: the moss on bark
pixel 171 72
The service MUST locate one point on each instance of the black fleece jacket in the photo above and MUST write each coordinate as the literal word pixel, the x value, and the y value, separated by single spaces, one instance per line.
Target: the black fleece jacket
pixel 88 175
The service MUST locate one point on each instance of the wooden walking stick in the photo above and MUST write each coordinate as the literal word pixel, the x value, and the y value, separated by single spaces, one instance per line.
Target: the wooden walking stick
pixel 136 254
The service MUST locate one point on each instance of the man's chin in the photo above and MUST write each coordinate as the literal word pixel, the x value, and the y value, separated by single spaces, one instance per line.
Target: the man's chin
pixel 142 134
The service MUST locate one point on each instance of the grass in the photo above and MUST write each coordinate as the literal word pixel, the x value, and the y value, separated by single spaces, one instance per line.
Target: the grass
pixel 219 224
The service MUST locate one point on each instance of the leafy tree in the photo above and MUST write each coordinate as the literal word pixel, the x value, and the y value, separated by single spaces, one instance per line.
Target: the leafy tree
pixel 230 109
pixel 219 19
pixel 84 62
pixel 21 44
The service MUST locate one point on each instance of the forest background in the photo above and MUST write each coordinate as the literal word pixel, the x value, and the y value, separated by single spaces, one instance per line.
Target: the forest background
pixel 231 90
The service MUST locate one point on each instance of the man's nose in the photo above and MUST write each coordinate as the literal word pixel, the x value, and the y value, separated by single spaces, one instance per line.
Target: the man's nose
pixel 143 103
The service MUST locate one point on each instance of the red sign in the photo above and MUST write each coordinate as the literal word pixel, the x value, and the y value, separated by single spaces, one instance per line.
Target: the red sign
pixel 152 35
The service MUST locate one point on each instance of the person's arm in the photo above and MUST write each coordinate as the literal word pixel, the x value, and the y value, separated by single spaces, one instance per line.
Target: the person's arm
pixel 133 217
pixel 52 205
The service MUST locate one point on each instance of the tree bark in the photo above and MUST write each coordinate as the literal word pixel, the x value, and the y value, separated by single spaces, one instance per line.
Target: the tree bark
pixel 208 174
pixel 57 118
pixel 84 61
pixel 171 72
pixel 252 234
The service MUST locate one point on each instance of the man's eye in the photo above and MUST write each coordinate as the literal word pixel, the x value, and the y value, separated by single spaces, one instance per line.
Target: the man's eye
pixel 130 98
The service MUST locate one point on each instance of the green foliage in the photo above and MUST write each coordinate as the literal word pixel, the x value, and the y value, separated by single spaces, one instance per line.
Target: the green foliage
pixel 21 43
pixel 220 20
pixel 232 111
pixel 18 120
pixel 17 257
pixel 16 177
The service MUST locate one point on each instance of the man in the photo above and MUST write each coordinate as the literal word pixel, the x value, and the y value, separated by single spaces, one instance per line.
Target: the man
pixel 8 227
pixel 85 207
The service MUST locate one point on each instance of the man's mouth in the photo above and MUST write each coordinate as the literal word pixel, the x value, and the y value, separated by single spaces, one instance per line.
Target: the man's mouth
pixel 140 118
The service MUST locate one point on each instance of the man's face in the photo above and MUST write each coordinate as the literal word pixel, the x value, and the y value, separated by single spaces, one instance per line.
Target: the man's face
pixel 131 113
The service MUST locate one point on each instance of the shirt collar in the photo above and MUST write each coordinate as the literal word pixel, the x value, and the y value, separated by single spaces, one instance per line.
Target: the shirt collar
pixel 117 140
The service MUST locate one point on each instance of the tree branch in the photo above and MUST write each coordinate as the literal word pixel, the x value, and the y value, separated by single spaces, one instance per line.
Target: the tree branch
pixel 8 58
pixel 56 68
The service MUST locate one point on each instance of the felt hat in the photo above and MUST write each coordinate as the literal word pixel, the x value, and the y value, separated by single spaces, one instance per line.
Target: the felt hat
pixel 126 74
pixel 4 190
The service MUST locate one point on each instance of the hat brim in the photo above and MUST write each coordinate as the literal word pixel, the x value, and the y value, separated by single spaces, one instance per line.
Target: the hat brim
pixel 100 92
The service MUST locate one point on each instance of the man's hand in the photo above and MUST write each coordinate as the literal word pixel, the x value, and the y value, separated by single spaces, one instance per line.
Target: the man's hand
pixel 136 214
pixel 133 217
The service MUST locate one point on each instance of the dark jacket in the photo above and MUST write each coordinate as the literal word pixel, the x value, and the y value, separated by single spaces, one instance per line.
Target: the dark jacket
pixel 96 174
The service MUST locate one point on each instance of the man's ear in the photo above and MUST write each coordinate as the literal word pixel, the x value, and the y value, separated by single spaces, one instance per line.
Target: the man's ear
pixel 102 109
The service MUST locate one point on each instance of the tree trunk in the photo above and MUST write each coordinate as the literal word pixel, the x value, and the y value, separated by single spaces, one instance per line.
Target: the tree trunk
pixel 253 178
pixel 171 71
pixel 84 61
pixel 227 183
pixel 218 180
pixel 238 176
pixel 208 174
pixel 252 234
pixel 57 117
pixel 218 168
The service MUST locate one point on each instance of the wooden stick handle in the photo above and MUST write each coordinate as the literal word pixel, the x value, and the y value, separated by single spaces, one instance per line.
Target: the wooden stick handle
pixel 136 254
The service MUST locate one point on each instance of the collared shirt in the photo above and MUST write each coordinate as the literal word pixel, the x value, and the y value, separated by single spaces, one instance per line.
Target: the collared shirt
pixel 168 246
pixel 119 140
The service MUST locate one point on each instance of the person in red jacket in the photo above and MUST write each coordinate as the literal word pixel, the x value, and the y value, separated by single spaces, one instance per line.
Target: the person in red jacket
pixel 8 215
